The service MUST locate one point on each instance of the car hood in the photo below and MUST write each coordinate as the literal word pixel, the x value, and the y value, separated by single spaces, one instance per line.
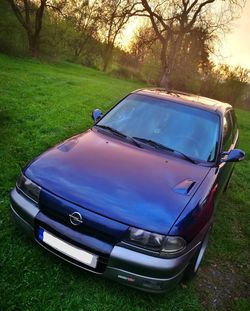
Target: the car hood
pixel 138 187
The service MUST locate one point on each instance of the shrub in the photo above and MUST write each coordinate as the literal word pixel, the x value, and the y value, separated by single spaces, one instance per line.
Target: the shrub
pixel 127 73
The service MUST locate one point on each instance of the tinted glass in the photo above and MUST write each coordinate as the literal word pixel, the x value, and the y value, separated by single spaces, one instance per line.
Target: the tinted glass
pixel 227 132
pixel 234 122
pixel 183 128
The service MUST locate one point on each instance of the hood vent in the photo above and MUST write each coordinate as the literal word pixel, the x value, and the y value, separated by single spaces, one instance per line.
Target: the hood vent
pixel 184 187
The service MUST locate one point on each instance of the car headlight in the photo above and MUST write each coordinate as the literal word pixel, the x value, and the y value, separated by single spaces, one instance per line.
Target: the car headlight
pixel 165 245
pixel 28 188
pixel 145 238
pixel 173 244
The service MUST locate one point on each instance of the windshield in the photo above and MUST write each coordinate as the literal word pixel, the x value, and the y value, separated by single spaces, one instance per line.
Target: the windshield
pixel 189 130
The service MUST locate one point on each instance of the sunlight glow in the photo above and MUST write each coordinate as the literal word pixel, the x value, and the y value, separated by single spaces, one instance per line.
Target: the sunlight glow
pixel 235 47
pixel 233 50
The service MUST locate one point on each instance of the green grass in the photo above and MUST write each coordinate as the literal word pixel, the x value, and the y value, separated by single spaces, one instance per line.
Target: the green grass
pixel 42 104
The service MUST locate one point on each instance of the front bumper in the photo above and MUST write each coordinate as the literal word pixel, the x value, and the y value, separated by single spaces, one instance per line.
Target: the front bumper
pixel 129 267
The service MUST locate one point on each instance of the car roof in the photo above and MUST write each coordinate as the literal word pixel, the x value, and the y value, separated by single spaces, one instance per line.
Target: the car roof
pixel 186 98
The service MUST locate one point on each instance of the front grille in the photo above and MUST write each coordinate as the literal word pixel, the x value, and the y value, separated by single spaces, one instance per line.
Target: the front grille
pixel 85 227
pixel 95 225
pixel 103 256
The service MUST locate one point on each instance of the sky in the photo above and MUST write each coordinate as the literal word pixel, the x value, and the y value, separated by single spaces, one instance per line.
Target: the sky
pixel 234 48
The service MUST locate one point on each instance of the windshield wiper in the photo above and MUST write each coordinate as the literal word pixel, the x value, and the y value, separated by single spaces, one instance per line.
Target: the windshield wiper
pixel 153 143
pixel 185 156
pixel 111 129
pixel 163 147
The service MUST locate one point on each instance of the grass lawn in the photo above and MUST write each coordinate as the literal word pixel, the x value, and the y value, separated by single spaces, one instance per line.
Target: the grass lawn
pixel 41 105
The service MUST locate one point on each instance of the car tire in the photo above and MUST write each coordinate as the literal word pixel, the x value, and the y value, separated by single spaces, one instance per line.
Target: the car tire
pixel 194 265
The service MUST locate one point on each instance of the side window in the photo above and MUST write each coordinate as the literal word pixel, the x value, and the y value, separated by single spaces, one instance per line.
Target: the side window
pixel 227 132
pixel 234 123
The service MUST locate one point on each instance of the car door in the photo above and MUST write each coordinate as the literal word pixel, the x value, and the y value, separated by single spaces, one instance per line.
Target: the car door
pixel 230 138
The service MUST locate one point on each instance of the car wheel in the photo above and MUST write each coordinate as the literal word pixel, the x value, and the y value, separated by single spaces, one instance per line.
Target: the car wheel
pixel 195 262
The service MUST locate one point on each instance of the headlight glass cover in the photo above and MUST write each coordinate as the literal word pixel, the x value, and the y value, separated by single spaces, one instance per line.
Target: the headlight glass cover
pixel 173 244
pixel 145 238
pixel 165 245
pixel 29 188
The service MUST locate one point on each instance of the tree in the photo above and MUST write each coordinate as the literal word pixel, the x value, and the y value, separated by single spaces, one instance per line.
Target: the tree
pixel 14 44
pixel 227 83
pixel 234 81
pixel 115 15
pixel 30 15
pixel 173 20
pixel 85 17
pixel 142 43
pixel 192 60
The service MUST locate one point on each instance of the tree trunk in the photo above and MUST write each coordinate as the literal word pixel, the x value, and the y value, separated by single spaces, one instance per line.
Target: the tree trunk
pixel 32 25
pixel 105 64
pixel 165 73
pixel 77 52
pixel 107 58
pixel 164 79
pixel 33 45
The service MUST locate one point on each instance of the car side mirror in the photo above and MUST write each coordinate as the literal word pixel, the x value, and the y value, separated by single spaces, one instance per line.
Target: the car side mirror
pixel 96 115
pixel 234 155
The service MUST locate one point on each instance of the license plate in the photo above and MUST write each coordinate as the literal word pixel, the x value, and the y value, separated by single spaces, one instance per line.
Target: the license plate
pixel 67 248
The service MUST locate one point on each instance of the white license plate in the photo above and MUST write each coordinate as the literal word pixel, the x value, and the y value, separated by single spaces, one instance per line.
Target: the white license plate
pixel 67 248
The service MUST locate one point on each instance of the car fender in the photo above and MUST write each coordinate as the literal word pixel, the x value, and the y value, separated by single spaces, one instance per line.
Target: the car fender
pixel 199 211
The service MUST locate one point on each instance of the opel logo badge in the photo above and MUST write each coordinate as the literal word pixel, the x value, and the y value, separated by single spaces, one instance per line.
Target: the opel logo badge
pixel 75 218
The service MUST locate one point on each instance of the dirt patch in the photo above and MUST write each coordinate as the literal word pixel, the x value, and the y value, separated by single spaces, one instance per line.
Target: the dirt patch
pixel 220 286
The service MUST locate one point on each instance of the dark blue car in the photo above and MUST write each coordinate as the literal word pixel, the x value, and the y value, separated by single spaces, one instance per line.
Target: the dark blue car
pixel 133 198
